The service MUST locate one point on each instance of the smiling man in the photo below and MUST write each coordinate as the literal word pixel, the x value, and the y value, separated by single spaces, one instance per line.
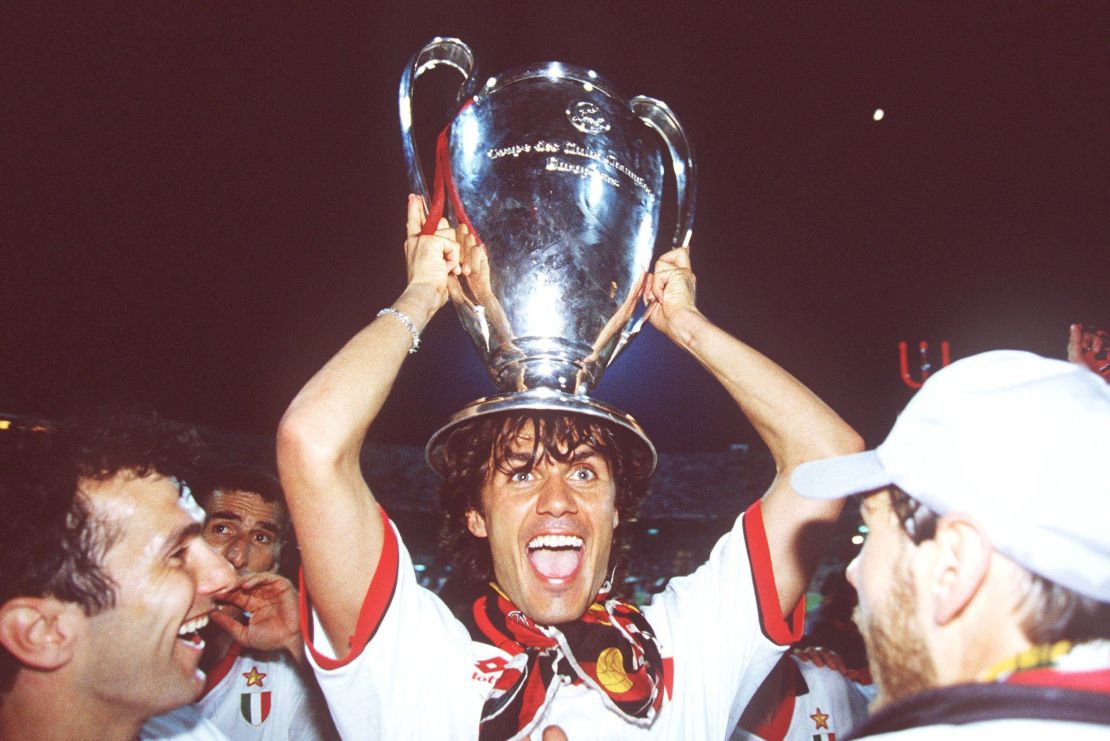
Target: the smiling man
pixel 534 503
pixel 105 580
pixel 258 687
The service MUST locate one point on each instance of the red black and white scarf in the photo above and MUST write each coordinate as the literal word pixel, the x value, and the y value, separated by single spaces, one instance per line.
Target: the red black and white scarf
pixel 611 649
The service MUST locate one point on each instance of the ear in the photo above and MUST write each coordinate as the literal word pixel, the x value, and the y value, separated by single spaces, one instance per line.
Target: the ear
pixel 963 558
pixel 476 524
pixel 41 632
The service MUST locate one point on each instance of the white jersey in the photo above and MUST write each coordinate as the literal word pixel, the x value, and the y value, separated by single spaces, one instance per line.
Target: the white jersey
pixel 262 696
pixel 809 703
pixel 183 724
pixel 413 671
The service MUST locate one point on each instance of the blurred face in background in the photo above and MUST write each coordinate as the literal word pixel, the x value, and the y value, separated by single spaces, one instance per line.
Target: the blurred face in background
pixel 246 529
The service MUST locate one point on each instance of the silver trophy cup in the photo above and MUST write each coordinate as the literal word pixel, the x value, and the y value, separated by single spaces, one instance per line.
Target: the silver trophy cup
pixel 561 181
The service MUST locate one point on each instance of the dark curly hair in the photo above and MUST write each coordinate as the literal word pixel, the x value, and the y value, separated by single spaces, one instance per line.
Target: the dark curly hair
pixel 477 447
pixel 52 543
pixel 236 476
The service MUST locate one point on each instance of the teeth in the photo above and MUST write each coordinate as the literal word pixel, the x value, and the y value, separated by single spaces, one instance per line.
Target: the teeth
pixel 555 541
pixel 193 625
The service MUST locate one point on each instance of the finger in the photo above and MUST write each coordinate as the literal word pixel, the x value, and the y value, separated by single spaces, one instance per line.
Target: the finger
pixel 449 234
pixel 1098 341
pixel 271 578
pixel 659 284
pixel 254 580
pixel 229 625
pixel 414 215
pixel 237 598
pixel 433 242
pixel 452 254
pixel 679 257
pixel 1075 343
pixel 554 733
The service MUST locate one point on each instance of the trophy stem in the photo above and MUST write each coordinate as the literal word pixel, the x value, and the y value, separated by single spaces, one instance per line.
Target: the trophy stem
pixel 544 362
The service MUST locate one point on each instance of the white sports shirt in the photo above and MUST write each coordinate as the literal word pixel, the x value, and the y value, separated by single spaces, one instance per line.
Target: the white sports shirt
pixel 262 696
pixel 825 707
pixel 413 671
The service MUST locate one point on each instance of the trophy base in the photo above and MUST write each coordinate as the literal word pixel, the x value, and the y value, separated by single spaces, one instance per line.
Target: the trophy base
pixel 539 399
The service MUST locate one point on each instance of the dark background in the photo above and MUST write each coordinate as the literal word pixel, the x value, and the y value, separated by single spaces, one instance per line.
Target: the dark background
pixel 199 203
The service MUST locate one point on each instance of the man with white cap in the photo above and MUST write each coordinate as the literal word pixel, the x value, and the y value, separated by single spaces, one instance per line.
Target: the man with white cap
pixel 984 583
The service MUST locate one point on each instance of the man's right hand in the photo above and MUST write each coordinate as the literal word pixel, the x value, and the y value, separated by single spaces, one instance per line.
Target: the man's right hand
pixel 272 604
pixel 433 261
pixel 320 438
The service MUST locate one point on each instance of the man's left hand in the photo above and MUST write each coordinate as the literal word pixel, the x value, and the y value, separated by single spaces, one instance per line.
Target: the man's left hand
pixel 1090 346
pixel 670 291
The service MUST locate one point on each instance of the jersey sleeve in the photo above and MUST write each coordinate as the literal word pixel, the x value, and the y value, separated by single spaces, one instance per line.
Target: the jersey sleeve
pixel 406 672
pixel 723 626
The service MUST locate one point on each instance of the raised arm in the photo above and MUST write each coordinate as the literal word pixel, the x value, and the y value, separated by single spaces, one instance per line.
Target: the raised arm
pixel 334 513
pixel 795 424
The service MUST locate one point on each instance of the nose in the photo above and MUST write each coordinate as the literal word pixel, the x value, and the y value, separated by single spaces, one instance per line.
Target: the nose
pixel 850 572
pixel 213 572
pixel 238 551
pixel 556 498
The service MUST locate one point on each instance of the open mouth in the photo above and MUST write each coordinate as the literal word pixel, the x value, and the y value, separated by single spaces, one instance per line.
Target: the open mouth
pixel 189 632
pixel 555 556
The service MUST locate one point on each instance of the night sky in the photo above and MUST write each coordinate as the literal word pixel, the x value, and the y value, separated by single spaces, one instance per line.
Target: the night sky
pixel 199 203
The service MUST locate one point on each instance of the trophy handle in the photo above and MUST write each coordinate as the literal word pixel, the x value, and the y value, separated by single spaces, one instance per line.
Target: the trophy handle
pixel 453 53
pixel 659 116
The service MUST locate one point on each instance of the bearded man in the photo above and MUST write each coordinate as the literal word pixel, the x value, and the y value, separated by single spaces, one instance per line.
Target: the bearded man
pixel 984 582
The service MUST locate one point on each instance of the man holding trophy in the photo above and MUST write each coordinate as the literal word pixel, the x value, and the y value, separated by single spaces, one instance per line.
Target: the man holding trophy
pixel 539 477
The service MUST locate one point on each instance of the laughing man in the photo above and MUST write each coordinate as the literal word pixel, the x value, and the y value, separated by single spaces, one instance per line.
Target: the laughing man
pixel 104 581
pixel 536 501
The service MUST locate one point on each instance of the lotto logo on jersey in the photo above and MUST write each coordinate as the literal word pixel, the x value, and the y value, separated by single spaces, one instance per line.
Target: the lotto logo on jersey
pixel 487 670
pixel 255 707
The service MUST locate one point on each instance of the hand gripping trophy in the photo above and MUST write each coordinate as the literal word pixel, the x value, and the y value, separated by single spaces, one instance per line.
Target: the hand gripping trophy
pixel 560 182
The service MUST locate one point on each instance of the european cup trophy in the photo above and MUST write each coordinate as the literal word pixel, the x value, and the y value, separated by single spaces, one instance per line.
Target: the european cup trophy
pixel 561 181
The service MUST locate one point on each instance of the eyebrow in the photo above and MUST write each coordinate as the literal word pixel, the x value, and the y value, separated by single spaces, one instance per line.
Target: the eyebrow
pixel 583 453
pixel 522 459
pixel 182 534
pixel 518 460
pixel 229 515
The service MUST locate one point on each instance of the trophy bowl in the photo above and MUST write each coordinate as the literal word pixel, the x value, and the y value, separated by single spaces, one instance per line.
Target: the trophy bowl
pixel 560 179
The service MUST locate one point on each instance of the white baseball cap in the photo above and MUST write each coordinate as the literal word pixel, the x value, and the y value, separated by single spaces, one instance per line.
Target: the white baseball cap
pixel 1018 442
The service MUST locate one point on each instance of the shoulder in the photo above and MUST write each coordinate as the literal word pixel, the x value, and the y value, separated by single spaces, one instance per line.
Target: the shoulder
pixel 183 724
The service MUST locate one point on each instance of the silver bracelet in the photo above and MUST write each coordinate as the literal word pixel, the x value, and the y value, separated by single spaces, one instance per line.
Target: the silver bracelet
pixel 409 325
